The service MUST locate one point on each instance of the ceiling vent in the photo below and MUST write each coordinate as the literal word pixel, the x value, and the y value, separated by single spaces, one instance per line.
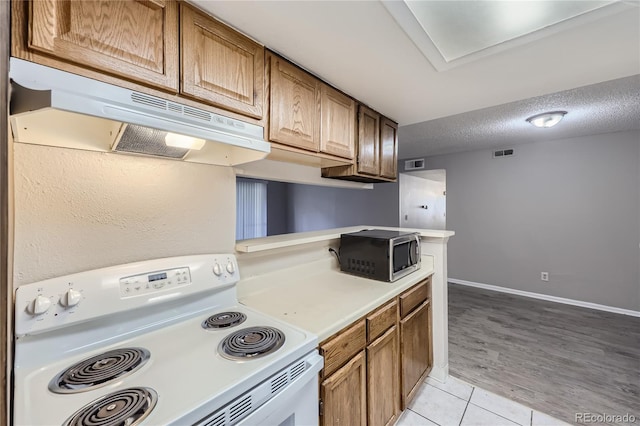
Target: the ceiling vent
pixel 503 153
pixel 417 164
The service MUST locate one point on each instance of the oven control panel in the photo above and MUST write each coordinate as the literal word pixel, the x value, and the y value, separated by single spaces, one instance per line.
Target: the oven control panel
pixel 154 282
pixel 85 296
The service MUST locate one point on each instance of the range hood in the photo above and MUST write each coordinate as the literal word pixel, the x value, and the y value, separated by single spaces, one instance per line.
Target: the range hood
pixel 57 108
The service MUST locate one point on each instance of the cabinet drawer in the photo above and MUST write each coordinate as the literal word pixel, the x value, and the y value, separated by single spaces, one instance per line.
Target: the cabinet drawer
pixel 381 320
pixel 414 297
pixel 341 348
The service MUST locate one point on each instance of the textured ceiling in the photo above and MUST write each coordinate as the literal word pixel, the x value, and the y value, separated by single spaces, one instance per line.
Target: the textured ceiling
pixel 599 108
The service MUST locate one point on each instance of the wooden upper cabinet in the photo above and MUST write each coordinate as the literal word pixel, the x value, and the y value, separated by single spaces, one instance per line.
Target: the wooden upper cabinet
pixel 294 117
pixel 137 40
pixel 337 133
pixel 219 65
pixel 377 147
pixel 368 141
pixel 388 148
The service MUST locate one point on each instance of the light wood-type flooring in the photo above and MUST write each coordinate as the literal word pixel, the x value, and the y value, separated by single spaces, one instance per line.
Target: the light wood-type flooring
pixel 555 358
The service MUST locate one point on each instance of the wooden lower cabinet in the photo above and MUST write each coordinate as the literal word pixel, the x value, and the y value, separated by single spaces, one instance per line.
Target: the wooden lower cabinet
pixel 374 366
pixel 415 350
pixel 383 381
pixel 344 394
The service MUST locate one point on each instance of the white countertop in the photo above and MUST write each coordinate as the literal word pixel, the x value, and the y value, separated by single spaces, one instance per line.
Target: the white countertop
pixel 287 240
pixel 318 297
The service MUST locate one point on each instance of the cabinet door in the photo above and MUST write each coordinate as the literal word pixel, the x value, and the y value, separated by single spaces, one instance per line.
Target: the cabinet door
pixel 344 395
pixel 415 350
pixel 137 40
pixel 383 379
pixel 294 117
pixel 368 141
pixel 388 148
pixel 219 65
pixel 337 132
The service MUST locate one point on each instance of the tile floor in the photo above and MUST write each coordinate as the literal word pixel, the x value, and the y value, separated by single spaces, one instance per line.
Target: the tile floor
pixel 457 403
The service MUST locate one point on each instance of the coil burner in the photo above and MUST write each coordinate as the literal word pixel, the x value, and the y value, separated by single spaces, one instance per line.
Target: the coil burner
pixel 99 370
pixel 251 342
pixel 224 320
pixel 125 407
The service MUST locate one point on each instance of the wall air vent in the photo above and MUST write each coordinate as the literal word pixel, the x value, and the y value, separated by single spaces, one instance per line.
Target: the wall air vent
pixel 502 153
pixel 416 164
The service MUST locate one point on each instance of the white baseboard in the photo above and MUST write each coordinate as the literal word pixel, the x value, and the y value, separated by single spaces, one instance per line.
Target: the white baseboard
pixel 440 373
pixel 549 298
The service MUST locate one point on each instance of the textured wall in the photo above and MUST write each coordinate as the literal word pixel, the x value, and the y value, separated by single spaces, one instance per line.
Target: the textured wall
pixel 568 207
pixel 78 210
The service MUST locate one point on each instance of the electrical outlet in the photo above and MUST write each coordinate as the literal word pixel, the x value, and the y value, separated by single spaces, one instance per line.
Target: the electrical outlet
pixel 544 276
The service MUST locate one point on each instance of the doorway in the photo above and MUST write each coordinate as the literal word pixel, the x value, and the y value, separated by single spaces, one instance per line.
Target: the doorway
pixel 423 199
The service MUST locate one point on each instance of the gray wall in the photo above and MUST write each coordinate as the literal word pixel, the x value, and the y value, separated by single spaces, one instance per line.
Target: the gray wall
pixel 312 208
pixel 569 207
pixel 277 208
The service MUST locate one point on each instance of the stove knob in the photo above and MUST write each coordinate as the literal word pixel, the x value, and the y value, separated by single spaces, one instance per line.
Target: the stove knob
pixel 230 267
pixel 71 298
pixel 39 305
pixel 217 270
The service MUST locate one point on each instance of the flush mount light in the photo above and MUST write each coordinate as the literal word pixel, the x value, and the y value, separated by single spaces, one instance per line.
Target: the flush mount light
pixel 548 119
pixel 181 141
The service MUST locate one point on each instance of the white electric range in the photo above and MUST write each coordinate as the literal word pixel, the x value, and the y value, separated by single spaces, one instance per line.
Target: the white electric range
pixel 155 343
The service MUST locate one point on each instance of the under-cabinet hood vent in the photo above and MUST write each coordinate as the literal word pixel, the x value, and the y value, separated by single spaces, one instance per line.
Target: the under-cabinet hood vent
pixel 56 108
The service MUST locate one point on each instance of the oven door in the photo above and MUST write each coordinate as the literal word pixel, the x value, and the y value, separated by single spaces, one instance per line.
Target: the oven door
pixel 296 405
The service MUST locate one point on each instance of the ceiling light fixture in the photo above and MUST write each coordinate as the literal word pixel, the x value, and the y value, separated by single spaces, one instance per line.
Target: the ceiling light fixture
pixel 548 119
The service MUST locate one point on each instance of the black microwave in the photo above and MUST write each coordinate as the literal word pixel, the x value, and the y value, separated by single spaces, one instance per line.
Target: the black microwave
pixel 379 254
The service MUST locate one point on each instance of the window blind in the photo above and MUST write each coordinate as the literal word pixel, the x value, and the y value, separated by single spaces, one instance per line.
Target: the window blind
pixel 251 209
